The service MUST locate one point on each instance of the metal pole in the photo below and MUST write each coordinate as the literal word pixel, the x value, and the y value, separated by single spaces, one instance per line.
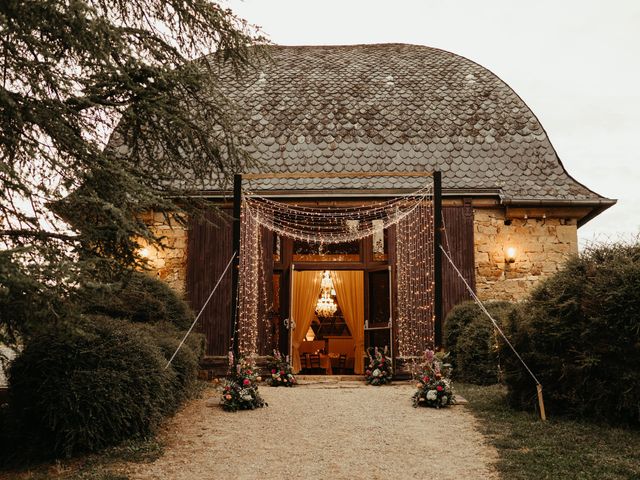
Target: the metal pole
pixel 437 254
pixel 237 199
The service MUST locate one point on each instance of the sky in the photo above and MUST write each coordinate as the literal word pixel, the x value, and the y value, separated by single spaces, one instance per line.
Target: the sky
pixel 576 63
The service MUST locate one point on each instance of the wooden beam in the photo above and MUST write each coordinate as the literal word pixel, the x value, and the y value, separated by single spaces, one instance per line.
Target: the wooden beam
pixel 437 259
pixel 548 212
pixel 264 176
pixel 233 327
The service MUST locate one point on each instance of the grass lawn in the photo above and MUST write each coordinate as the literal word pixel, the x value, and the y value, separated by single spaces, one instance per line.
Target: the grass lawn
pixel 98 466
pixel 559 448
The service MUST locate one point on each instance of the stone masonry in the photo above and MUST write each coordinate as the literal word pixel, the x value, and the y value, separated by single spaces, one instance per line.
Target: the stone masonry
pixel 542 246
pixel 169 263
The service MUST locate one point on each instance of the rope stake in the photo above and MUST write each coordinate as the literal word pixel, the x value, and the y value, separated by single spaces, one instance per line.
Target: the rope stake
pixel 201 310
pixel 495 324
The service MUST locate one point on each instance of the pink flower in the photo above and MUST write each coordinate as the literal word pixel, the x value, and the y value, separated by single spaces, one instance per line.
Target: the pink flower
pixel 273 370
pixel 281 372
pixel 248 372
pixel 439 388
pixel 425 379
pixel 228 397
pixel 246 381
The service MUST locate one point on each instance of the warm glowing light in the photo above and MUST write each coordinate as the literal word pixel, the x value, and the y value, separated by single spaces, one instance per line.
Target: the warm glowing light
pixel 326 306
pixel 310 335
pixel 144 252
pixel 510 255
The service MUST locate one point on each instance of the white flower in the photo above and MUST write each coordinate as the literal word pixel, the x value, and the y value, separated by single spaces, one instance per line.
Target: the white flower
pixel 432 395
pixel 376 373
pixel 444 400
pixel 246 398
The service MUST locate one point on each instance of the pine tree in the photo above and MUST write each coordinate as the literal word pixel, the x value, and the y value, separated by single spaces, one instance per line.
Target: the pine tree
pixel 71 71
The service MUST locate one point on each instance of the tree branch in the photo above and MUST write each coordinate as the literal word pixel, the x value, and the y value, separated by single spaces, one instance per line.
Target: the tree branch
pixel 39 234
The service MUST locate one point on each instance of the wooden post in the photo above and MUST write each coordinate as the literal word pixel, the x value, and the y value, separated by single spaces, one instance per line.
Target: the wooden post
pixel 437 255
pixel 237 199
pixel 543 415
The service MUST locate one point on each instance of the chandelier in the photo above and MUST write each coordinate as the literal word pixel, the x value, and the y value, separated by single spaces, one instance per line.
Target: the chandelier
pixel 326 306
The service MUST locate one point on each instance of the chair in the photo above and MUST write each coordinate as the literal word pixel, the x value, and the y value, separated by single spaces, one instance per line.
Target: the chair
pixel 341 364
pixel 304 364
pixel 314 361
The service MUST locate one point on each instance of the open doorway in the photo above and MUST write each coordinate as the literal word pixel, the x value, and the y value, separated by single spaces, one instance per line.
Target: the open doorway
pixel 328 310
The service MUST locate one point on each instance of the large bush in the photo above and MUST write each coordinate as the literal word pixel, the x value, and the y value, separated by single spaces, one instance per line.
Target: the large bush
pixel 580 333
pixel 472 341
pixel 139 297
pixel 95 384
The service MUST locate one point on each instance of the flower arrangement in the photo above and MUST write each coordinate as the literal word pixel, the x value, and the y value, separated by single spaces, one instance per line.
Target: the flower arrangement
pixel 281 371
pixel 434 382
pixel 240 389
pixel 380 369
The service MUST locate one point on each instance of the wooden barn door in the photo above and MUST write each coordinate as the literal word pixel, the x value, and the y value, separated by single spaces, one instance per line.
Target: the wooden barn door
pixel 208 252
pixel 457 240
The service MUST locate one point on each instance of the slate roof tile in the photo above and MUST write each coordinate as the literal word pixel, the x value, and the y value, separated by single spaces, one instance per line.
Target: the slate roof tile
pixel 393 107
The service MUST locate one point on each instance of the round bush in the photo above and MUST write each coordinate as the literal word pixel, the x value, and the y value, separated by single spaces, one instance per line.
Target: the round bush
pixel 140 297
pixel 472 341
pixel 458 317
pixel 82 388
pixel 187 361
pixel 580 334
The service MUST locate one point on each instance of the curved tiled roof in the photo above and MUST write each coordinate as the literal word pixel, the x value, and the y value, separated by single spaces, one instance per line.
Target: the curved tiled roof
pixel 394 107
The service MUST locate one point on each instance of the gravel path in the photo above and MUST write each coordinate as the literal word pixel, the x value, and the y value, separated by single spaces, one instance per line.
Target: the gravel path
pixel 335 431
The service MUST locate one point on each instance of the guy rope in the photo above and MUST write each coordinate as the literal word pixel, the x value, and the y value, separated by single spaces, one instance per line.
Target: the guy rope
pixel 496 326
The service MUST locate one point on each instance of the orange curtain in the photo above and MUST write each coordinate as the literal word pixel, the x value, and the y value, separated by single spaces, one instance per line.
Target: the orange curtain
pixel 306 290
pixel 349 287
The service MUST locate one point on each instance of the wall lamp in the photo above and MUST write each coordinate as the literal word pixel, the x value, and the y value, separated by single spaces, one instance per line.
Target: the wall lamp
pixel 510 255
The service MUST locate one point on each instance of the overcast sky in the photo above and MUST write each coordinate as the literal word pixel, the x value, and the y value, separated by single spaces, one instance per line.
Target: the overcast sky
pixel 576 63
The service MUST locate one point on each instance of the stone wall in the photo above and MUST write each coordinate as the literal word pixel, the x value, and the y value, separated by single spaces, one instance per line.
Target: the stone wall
pixel 542 246
pixel 169 263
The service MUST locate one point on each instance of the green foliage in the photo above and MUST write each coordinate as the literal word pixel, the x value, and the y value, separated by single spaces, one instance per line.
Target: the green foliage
pixel 84 387
pixel 27 301
pixel 73 72
pixel 138 297
pixel 472 341
pixel 562 448
pixel 580 334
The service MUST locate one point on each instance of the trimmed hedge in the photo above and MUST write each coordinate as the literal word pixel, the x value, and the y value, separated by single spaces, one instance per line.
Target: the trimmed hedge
pixel 472 341
pixel 82 388
pixel 580 334
pixel 140 297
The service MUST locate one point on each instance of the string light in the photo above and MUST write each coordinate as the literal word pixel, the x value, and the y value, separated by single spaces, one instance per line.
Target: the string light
pixel 411 214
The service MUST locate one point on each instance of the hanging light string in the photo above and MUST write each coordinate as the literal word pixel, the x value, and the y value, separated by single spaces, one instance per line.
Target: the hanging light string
pixel 412 215
pixel 328 225
pixel 415 281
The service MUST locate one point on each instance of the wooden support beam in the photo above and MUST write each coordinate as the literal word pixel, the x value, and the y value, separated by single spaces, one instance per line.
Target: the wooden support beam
pixel 264 176
pixel 233 327
pixel 437 255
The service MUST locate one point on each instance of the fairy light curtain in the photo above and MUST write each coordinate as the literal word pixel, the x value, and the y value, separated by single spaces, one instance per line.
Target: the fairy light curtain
pixel 412 214
pixel 414 264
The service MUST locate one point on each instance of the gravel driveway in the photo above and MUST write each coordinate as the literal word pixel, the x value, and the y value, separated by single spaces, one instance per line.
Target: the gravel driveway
pixel 339 431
